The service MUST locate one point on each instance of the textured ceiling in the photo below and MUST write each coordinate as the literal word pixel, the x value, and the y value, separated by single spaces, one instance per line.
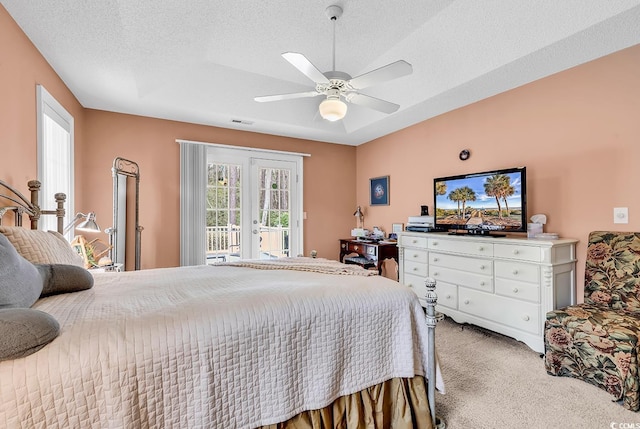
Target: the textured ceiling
pixel 203 61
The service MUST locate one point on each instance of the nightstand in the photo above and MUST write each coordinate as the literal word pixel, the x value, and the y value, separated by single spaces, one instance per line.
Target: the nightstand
pixel 370 254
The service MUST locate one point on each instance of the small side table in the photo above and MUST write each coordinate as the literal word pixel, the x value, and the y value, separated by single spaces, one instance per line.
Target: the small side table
pixel 370 254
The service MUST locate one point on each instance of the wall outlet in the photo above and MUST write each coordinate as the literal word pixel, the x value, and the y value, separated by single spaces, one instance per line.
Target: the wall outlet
pixel 620 215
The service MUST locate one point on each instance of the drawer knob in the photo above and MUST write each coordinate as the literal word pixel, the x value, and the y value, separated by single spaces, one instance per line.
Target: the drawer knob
pixel 435 243
pixel 414 241
pixel 515 272
pixel 415 256
pixel 482 267
pixel 355 247
pixel 482 283
pixel 515 290
pixel 525 318
pixel 515 251
pixel 415 268
pixel 448 297
pixel 436 274
pixel 435 259
pixel 480 249
pixel 466 301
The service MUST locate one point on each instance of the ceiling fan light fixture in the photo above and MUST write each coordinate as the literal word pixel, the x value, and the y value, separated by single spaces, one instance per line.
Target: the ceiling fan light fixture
pixel 339 87
pixel 333 109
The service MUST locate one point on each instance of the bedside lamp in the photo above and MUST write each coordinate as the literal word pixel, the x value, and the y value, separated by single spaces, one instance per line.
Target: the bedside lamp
pixel 89 224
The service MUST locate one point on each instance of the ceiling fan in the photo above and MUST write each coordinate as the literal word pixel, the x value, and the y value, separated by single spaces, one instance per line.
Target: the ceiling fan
pixel 337 85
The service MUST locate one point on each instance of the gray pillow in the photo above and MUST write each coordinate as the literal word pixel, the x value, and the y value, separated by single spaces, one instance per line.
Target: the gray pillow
pixel 25 331
pixel 20 282
pixel 60 278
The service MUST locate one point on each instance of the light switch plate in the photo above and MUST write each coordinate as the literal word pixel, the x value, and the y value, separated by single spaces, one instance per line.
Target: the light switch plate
pixel 620 215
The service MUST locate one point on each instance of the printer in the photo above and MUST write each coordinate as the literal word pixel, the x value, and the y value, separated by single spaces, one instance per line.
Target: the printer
pixel 420 224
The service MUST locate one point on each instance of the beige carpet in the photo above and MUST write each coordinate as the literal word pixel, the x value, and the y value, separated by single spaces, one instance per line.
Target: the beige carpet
pixel 496 382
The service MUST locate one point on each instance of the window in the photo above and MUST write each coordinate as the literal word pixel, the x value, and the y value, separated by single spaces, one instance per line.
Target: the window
pixel 55 156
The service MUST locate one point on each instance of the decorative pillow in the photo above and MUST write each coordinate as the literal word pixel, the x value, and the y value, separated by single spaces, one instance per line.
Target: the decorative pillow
pixel 42 247
pixel 25 331
pixel 20 281
pixel 58 278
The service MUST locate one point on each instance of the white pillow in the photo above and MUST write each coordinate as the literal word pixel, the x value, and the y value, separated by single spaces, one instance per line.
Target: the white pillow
pixel 42 247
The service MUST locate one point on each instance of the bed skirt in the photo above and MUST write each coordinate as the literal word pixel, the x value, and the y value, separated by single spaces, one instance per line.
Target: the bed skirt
pixel 400 403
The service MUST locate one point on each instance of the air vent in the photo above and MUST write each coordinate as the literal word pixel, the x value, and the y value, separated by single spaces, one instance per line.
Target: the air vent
pixel 241 122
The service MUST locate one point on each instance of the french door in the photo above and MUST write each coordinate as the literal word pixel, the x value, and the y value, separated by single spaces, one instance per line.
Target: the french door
pixel 253 205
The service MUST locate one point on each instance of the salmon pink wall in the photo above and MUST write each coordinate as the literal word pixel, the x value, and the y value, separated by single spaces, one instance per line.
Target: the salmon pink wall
pixel 21 69
pixel 329 178
pixel 577 132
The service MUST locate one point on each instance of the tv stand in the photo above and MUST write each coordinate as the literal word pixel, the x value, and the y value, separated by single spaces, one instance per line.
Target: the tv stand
pixel 506 285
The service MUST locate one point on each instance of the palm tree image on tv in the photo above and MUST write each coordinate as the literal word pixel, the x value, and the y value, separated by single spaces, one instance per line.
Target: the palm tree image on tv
pixel 499 186
pixel 486 202
pixel 461 196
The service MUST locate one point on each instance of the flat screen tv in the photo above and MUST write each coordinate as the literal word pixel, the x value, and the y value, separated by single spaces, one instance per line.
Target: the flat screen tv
pixel 482 203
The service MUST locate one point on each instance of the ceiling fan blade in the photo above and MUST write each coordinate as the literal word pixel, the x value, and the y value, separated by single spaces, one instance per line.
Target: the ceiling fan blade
pixel 372 102
pixel 291 96
pixel 390 71
pixel 301 62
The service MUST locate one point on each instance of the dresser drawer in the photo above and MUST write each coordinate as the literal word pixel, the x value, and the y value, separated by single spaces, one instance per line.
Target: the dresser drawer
pixel 416 283
pixel 411 241
pixel 362 248
pixel 473 265
pixel 415 268
pixel 457 246
pixel 447 294
pixel 518 290
pixel 516 314
pixel 462 278
pixel 416 255
pixel 517 271
pixel 519 252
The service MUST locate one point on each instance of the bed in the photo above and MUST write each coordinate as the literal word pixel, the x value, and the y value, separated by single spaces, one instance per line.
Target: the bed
pixel 300 343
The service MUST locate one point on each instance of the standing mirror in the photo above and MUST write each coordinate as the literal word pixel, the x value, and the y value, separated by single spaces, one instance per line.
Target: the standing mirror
pixel 124 172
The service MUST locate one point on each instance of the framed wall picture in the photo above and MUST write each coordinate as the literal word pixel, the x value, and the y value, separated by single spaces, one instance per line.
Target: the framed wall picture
pixel 379 191
pixel 397 227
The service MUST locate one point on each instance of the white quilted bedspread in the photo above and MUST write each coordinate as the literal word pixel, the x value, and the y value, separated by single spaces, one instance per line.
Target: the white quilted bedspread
pixel 212 347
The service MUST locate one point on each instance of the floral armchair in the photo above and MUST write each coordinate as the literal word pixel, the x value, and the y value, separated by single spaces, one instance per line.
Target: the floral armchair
pixel 598 341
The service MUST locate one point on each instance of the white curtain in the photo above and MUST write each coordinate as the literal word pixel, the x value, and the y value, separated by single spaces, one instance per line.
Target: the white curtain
pixel 55 157
pixel 193 189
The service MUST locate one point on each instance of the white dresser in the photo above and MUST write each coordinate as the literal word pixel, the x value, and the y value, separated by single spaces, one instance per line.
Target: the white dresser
pixel 503 284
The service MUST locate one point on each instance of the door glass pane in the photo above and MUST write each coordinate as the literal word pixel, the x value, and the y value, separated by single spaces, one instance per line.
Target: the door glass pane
pixel 274 212
pixel 223 212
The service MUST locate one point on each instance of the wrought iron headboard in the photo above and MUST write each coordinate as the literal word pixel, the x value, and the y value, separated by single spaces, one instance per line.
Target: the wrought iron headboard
pixel 20 205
